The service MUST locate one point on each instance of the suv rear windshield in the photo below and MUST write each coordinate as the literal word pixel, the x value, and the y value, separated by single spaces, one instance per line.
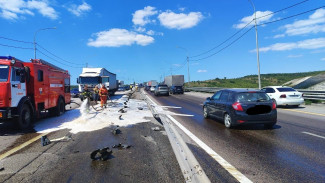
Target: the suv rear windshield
pixel 4 72
pixel 252 97
pixel 286 89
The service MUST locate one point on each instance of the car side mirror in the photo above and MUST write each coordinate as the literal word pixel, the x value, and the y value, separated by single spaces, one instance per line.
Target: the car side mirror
pixel 209 98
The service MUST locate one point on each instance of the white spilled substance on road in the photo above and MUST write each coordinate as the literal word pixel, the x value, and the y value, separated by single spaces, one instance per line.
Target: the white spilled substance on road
pixel 79 120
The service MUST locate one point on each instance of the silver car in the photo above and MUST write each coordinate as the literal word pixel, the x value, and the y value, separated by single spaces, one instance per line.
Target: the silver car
pixel 161 89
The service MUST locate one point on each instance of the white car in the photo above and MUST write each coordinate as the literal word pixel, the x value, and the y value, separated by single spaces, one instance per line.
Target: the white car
pixel 284 95
pixel 152 88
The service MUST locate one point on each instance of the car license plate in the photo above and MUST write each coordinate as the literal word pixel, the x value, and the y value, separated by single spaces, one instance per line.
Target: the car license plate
pixel 294 95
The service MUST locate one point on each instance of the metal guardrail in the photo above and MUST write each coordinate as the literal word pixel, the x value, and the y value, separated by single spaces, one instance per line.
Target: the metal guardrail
pixel 308 94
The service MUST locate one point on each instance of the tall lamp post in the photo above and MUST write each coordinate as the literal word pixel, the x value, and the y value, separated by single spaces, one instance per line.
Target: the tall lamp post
pixel 35 38
pixel 257 50
pixel 188 65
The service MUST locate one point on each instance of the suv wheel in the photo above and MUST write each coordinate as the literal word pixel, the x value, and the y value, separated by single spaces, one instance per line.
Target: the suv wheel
pixel 227 120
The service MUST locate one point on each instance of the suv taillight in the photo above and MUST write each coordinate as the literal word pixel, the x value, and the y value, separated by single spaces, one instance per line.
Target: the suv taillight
pixel 273 105
pixel 237 106
pixel 283 96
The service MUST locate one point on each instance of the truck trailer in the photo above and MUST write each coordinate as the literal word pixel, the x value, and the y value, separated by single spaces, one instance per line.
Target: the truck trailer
pixel 97 76
pixel 174 80
pixel 30 89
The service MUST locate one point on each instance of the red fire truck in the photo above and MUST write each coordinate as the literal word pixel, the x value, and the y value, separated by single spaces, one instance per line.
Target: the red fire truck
pixel 30 89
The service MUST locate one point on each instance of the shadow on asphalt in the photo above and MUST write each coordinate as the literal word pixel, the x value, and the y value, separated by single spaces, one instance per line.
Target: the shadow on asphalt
pixel 255 127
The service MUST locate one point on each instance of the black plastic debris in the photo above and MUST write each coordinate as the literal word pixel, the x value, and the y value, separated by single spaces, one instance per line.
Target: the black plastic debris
pixel 140 108
pixel 156 129
pixel 2 169
pixel 101 154
pixel 120 117
pixel 45 141
pixel 125 103
pixel 116 130
pixel 122 111
pixel 121 146
pixel 125 106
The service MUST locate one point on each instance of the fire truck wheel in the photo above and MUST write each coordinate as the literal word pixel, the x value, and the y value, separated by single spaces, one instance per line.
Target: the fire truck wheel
pixel 25 117
pixel 60 107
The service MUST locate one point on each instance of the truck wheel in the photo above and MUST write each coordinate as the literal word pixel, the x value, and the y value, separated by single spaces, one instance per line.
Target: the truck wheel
pixel 61 107
pixel 25 117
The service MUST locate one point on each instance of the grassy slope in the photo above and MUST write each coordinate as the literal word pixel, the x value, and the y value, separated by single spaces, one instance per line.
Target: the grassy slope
pixel 251 81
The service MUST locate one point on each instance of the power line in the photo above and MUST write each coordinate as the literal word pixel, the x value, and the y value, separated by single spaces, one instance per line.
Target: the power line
pixel 58 56
pixel 57 60
pixel 246 26
pixel 223 41
pixel 291 16
pixel 225 46
pixel 26 48
pixel 16 40
pixel 282 9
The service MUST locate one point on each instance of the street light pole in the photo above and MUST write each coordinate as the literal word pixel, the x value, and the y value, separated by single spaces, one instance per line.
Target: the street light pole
pixel 188 64
pixel 257 50
pixel 35 38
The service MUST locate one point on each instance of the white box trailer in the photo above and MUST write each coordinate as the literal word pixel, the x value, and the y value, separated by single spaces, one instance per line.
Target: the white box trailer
pixel 174 80
pixel 97 76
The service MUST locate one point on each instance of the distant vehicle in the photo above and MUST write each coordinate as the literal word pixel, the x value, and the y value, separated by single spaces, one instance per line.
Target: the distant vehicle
pixel 284 95
pixel 97 76
pixel 152 83
pixel 121 88
pixel 174 80
pixel 152 88
pixel 176 89
pixel 161 89
pixel 75 93
pixel 127 87
pixel 241 106
pixel 147 88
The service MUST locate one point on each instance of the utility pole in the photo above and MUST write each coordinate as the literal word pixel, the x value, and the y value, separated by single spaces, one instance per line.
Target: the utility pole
pixel 188 70
pixel 86 64
pixel 257 50
pixel 35 38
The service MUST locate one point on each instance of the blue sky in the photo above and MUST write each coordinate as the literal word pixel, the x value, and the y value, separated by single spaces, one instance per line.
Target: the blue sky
pixel 146 40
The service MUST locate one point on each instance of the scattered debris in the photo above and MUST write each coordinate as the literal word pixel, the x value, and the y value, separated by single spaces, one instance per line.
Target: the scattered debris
pixel 45 141
pixel 156 129
pixel 122 111
pixel 101 154
pixel 2 169
pixel 140 108
pixel 125 103
pixel 116 130
pixel 121 146
pixel 120 117
pixel 75 151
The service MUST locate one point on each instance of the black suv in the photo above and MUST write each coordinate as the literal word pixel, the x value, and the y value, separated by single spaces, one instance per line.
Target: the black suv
pixel 241 106
pixel 176 89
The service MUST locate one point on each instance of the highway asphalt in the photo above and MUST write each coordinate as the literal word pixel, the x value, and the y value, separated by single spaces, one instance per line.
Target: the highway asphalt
pixel 294 151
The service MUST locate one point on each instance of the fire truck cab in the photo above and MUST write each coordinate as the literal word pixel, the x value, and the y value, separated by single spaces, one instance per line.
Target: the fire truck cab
pixel 30 89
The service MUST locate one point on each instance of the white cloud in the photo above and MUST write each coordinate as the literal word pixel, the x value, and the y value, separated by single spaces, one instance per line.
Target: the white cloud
pixel 323 59
pixel 13 9
pixel 79 10
pixel 314 24
pixel 179 21
pixel 201 71
pixel 141 17
pixel 294 56
pixel 119 37
pixel 139 29
pixel 279 36
pixel 152 33
pixel 305 44
pixel 242 23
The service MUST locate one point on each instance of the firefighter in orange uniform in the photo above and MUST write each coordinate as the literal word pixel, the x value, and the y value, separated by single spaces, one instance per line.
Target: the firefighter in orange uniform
pixel 103 93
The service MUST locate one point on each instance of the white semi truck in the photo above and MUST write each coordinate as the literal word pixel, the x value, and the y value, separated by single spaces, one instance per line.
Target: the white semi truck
pixel 97 76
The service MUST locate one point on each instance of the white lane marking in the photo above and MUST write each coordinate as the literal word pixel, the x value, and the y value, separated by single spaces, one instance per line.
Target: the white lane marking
pixel 231 169
pixel 313 135
pixel 171 107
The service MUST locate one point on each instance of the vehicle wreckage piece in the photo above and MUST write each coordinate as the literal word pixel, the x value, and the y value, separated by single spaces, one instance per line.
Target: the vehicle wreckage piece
pixel 45 141
pixel 116 130
pixel 121 146
pixel 101 154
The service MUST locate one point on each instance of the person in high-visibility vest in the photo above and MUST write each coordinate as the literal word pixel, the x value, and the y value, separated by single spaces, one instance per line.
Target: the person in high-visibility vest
pixel 103 93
